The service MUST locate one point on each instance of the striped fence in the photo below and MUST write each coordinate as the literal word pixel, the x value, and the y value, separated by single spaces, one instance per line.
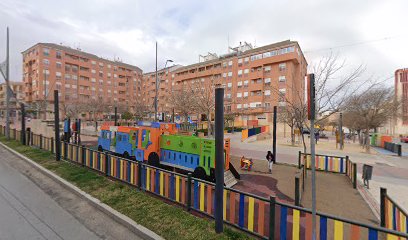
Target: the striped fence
pixel 334 164
pixel 246 133
pixel 300 180
pixel 392 215
pixel 262 217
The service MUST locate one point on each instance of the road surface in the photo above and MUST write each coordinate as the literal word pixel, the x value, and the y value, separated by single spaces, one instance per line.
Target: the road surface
pixel 32 206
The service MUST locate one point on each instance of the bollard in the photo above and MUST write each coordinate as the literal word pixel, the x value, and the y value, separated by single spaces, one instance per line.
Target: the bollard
pixel 40 141
pixel 189 182
pixel 31 138
pixel 272 202
pixel 299 163
pixel 383 194
pixel 83 155
pixel 355 175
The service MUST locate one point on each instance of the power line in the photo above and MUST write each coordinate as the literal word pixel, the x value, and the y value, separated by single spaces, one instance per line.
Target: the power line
pixel 352 44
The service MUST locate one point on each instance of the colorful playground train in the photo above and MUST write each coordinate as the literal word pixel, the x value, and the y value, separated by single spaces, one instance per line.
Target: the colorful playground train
pixel 158 144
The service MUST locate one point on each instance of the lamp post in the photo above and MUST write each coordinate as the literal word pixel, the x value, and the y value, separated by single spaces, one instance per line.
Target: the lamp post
pixel 157 87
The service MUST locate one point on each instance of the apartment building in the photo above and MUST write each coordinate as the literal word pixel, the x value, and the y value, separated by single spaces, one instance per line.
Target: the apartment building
pixel 255 79
pixel 15 100
pixel 399 125
pixel 79 77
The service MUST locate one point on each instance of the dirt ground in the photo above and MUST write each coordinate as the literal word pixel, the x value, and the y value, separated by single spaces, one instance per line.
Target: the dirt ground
pixel 281 183
pixel 335 193
pixel 336 196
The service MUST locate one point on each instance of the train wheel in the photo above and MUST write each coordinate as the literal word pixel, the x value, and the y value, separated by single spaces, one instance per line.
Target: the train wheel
pixel 100 149
pixel 126 155
pixel 199 173
pixel 153 159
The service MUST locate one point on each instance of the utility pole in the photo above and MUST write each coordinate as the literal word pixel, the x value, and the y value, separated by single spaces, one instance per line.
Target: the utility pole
pixel 45 94
pixel 157 84
pixel 23 130
pixel 219 159
pixel 275 110
pixel 311 115
pixel 56 127
pixel 7 78
pixel 341 131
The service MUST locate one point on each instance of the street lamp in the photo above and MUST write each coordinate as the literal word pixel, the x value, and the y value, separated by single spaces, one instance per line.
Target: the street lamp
pixel 157 86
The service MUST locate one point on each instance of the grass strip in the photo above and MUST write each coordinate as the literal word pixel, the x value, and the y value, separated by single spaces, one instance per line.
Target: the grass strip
pixel 168 221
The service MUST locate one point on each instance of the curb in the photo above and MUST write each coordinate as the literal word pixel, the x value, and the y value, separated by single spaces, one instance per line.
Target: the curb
pixel 138 229
pixel 369 199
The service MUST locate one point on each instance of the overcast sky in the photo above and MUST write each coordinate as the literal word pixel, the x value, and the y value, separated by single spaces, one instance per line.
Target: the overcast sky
pixel 372 32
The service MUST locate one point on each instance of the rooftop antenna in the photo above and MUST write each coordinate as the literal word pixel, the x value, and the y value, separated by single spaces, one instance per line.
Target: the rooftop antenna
pixel 228 43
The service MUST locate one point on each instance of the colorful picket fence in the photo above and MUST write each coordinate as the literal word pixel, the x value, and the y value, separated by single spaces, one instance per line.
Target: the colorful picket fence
pixel 246 133
pixel 392 215
pixel 334 164
pixel 264 218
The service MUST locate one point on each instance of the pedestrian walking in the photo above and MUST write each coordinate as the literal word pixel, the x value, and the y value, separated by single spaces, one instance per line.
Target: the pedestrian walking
pixel 269 158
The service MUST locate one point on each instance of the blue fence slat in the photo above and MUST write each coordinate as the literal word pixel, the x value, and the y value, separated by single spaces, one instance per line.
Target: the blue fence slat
pixel 143 177
pixel 394 217
pixel 157 179
pixel 118 168
pixel 323 228
pixel 172 186
pixel 241 210
pixel 283 222
pixel 128 171
pixel 372 234
pixel 91 159
pixel 99 161
pixel 326 163
pixel 109 166
pixel 196 194
pixel 341 165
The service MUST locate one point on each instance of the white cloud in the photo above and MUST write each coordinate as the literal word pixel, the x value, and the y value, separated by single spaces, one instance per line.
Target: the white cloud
pixel 128 29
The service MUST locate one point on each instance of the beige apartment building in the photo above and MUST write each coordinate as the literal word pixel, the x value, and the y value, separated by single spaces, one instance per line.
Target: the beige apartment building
pixel 79 77
pixel 255 79
pixel 14 104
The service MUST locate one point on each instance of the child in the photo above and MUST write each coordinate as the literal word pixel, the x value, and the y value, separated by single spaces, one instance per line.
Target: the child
pixel 269 158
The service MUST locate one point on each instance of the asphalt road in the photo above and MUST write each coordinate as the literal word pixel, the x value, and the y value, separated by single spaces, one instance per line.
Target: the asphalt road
pixel 32 206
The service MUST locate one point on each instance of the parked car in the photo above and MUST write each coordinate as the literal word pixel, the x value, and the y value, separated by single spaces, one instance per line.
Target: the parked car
pixel 404 139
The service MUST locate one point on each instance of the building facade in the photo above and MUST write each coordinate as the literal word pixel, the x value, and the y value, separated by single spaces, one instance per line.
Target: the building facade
pixel 400 124
pixel 79 77
pixel 15 100
pixel 255 79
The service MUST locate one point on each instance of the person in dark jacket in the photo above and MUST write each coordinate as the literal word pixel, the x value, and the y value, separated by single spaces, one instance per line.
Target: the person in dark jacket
pixel 269 158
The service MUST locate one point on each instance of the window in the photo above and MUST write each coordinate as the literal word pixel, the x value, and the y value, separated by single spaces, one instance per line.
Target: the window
pixel 75 69
pixel 246 60
pixel 239 61
pixel 246 83
pixel 229 85
pixel 58 65
pixel 282 78
pixel 245 105
pixel 267 92
pixel 228 95
pixel 230 63
pixel 246 71
pixel 267 105
pixel 256 57
pixel 67 68
pixel 239 84
pixel 267 69
pixel 46 51
pixel 100 74
pixel 224 64
pixel 245 94
pixel 239 72
pixel 58 55
pixel 239 106
pixel 267 80
pixel 93 71
pixel 93 62
pixel 58 75
pixel 229 74
pixel 46 62
pixel 239 95
pixel 74 77
pixel 224 75
pixel 67 77
pixel 282 66
pixel 93 80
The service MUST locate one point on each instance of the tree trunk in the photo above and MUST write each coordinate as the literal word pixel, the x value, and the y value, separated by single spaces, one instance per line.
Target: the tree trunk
pixel 210 133
pixel 292 136
pixel 367 141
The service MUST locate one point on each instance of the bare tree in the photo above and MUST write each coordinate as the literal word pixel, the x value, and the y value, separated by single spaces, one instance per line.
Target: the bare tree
pixel 204 93
pixel 183 101
pixel 372 109
pixel 141 110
